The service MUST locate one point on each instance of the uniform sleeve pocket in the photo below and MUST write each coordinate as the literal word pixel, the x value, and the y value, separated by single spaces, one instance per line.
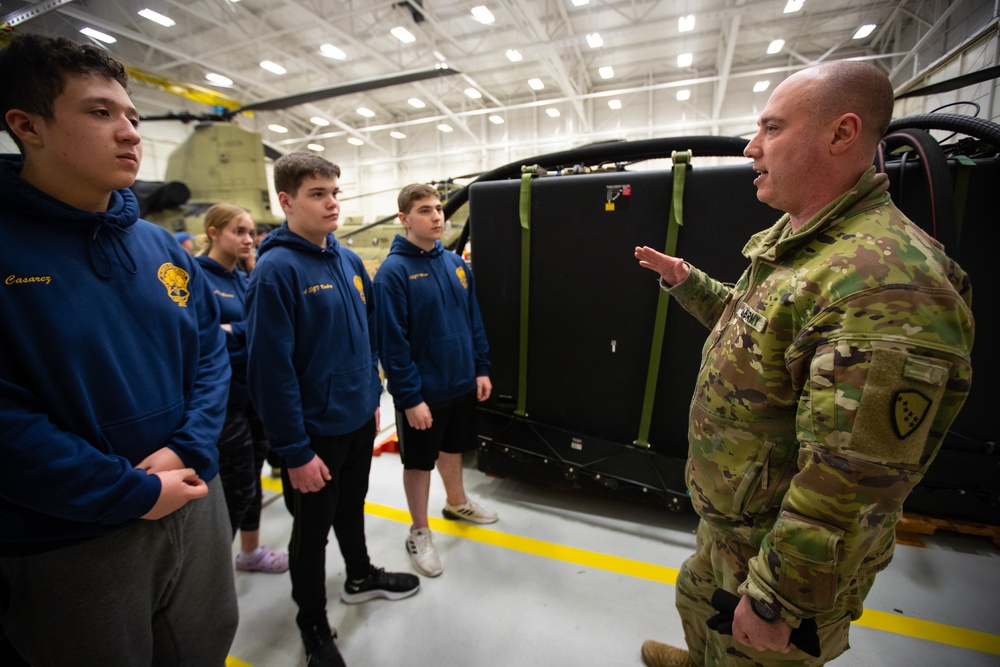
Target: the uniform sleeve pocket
pixel 809 553
pixel 901 396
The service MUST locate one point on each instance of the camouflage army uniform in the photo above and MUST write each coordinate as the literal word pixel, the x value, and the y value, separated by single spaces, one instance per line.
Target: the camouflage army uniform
pixel 833 370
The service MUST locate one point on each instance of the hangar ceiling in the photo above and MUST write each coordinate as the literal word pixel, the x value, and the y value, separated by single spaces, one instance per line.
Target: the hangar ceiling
pixel 561 44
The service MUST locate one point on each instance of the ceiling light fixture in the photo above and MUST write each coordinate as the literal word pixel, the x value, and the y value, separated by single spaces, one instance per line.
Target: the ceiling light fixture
pixel 793 6
pixel 280 129
pixel 606 72
pixel 482 14
pixel 536 84
pixel 496 120
pixel 354 141
pixel 473 93
pixel 864 31
pixel 403 35
pixel 775 46
pixel 553 113
pixel 331 51
pixel 272 67
pixel 761 86
pixel 157 17
pixel 615 104
pixel 685 23
pixel 397 135
pixel 445 127
pixel 683 95
pixel 514 55
pixel 366 112
pixel 98 35
pixel 580 3
pixel 685 59
pixel 416 103
pixel 315 147
pixel 218 79
pixel 316 120
pixel 594 40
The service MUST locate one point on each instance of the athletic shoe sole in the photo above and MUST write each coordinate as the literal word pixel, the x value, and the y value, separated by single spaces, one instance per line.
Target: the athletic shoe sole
pixel 365 596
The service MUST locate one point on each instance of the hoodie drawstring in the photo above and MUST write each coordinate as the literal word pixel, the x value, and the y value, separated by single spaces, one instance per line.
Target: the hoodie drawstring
pixel 108 234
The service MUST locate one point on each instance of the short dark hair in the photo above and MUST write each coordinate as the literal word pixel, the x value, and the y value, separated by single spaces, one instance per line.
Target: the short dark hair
pixel 33 72
pixel 414 192
pixel 290 170
pixel 860 88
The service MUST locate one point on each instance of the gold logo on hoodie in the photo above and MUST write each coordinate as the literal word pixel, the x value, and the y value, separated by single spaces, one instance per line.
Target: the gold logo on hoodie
pixel 175 279
pixel 460 272
pixel 360 287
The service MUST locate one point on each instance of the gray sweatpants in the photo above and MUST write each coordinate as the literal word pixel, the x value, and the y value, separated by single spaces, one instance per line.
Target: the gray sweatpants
pixel 156 593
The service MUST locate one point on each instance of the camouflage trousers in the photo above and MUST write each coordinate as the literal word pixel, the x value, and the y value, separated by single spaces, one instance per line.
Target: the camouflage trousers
pixel 721 562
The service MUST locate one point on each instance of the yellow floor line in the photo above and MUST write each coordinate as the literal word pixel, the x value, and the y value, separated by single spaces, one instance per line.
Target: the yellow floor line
pixel 877 620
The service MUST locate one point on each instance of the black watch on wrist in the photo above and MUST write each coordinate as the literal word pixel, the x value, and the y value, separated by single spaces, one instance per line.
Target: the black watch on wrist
pixel 768 611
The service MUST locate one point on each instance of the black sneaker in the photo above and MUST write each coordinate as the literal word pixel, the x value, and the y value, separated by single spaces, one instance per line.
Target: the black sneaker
pixel 381 584
pixel 320 649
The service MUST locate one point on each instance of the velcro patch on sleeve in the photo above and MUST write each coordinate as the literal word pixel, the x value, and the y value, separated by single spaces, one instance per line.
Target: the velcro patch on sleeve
pixel 900 398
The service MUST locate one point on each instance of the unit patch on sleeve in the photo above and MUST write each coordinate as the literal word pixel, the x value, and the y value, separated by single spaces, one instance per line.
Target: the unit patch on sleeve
pixel 909 408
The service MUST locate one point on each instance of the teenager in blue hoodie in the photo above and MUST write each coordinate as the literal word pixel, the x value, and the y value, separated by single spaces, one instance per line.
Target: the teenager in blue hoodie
pixel 434 352
pixel 313 374
pixel 226 245
pixel 115 548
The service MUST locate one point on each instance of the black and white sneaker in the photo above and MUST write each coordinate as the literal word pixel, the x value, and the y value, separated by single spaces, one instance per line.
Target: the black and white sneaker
pixel 381 584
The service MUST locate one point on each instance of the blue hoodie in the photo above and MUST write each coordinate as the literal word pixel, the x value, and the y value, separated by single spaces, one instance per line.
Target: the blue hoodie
pixel 313 359
pixel 431 335
pixel 230 290
pixel 110 349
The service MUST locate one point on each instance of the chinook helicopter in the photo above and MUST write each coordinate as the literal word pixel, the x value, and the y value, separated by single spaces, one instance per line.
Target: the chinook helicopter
pixel 223 162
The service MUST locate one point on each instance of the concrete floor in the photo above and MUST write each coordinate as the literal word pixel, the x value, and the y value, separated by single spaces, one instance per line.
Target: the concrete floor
pixel 567 579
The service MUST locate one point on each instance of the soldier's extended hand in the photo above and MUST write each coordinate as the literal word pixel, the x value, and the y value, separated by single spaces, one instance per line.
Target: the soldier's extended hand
pixel 419 417
pixel 310 477
pixel 673 270
pixel 751 630
pixel 177 487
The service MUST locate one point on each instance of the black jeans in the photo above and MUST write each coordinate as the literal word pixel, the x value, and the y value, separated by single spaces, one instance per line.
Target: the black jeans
pixel 341 504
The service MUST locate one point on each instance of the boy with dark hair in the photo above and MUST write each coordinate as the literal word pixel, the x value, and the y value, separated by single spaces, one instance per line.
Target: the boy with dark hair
pixel 115 546
pixel 434 352
pixel 313 374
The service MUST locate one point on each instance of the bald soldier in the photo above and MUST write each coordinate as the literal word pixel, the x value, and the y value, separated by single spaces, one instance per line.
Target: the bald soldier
pixel 833 369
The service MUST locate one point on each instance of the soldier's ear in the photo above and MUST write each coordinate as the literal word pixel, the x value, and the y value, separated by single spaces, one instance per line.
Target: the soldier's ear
pixel 846 132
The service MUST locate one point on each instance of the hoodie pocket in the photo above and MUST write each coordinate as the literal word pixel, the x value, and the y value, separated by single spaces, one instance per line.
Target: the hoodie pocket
pixel 448 364
pixel 137 436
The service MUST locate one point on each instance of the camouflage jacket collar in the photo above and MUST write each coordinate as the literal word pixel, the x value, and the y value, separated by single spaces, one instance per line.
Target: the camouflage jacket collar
pixel 871 191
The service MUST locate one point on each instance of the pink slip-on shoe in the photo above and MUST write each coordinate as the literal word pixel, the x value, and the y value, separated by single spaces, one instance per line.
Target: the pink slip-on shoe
pixel 262 559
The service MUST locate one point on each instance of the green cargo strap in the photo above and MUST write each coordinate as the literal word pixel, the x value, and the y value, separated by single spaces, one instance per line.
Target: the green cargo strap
pixel 682 161
pixel 527 173
pixel 962 175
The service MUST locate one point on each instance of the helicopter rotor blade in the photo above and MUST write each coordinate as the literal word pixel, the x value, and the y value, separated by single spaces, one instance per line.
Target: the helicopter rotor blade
pixel 347 89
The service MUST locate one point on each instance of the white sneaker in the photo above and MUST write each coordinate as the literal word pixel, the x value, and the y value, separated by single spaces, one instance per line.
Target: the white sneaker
pixel 470 511
pixel 420 545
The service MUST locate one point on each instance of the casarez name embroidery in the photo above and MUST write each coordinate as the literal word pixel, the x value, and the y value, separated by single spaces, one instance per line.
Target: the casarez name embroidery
pixel 20 280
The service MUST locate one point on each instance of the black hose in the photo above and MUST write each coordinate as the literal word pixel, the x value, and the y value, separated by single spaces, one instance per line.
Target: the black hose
pixel 985 130
pixel 937 184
